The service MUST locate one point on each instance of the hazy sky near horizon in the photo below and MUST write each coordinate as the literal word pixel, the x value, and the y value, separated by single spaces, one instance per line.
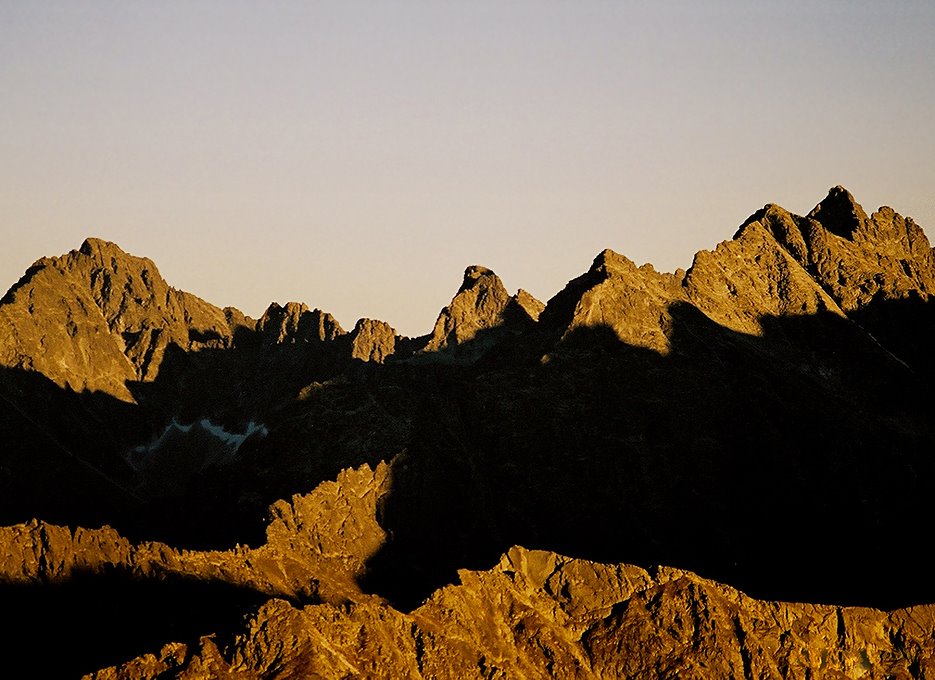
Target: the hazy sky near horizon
pixel 357 156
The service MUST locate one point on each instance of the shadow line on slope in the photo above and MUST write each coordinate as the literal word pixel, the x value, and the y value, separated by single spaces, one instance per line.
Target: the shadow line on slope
pixel 789 465
pixel 97 619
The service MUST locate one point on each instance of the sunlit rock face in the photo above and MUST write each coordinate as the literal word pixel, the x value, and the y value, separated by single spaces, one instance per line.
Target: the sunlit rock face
pixel 372 340
pixel 98 317
pixel 479 317
pixel 533 614
pixel 294 323
pixel 479 304
pixel 186 492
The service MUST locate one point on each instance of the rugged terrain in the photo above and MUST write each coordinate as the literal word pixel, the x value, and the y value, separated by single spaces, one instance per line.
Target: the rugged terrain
pixel 283 498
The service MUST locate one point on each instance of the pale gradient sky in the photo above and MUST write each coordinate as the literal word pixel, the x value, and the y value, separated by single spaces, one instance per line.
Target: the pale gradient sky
pixel 357 156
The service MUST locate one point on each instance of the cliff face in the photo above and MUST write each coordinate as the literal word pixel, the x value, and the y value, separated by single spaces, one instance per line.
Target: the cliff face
pixel 736 285
pixel 481 304
pixel 760 423
pixel 372 340
pixel 97 318
pixel 859 258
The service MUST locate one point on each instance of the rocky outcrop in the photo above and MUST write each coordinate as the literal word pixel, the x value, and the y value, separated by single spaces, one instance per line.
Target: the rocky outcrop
pixel 317 546
pixel 535 614
pixel 615 293
pixel 40 552
pixel 479 316
pixel 296 323
pixel 879 270
pixel 540 615
pixel 479 304
pixel 97 596
pixel 372 341
pixel 752 277
pixel 97 318
pixel 856 258
pixel 529 305
pixel 329 534
pixel 836 260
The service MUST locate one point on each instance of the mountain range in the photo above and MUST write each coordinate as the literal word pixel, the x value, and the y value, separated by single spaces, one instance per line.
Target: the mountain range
pixel 637 478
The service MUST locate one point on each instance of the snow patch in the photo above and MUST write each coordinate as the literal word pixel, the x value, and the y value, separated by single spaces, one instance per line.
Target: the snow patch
pixel 203 441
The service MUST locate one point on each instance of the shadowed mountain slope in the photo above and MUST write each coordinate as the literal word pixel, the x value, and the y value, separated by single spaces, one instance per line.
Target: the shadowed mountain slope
pixel 763 419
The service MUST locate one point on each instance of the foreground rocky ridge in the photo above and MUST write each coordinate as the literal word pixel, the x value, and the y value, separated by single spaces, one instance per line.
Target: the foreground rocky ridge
pixel 541 615
pixel 98 597
pixel 762 419
pixel 316 546
pixel 535 614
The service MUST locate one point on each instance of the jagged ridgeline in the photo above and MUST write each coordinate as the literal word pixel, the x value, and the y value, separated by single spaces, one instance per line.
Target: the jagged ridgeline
pixel 306 495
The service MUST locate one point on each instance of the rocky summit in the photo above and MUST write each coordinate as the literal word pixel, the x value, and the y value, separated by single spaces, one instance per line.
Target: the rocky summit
pixel 718 472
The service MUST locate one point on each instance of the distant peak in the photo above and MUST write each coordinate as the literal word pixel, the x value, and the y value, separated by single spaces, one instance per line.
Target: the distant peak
pixel 479 304
pixel 476 271
pixel 96 246
pixel 294 322
pixel 289 309
pixel 372 340
pixel 768 216
pixel 474 274
pixel 839 213
pixel 528 303
pixel 608 261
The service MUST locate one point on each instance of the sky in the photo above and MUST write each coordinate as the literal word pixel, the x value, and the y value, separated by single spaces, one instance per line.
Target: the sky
pixel 357 156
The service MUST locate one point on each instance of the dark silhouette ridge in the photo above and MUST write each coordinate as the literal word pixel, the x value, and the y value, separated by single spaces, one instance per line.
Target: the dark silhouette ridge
pixel 764 462
pixel 904 328
pixel 58 453
pixel 97 619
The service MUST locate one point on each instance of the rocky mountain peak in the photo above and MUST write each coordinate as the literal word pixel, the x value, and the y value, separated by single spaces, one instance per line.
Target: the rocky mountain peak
pixel 294 323
pixel 372 340
pixel 478 304
pixel 528 304
pixel 609 262
pixel 98 317
pixel 617 295
pixel 98 247
pixel 785 227
pixel 735 285
pixel 839 213
pixel 482 305
pixel 279 323
pixel 779 390
pixel 854 258
pixel 477 275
